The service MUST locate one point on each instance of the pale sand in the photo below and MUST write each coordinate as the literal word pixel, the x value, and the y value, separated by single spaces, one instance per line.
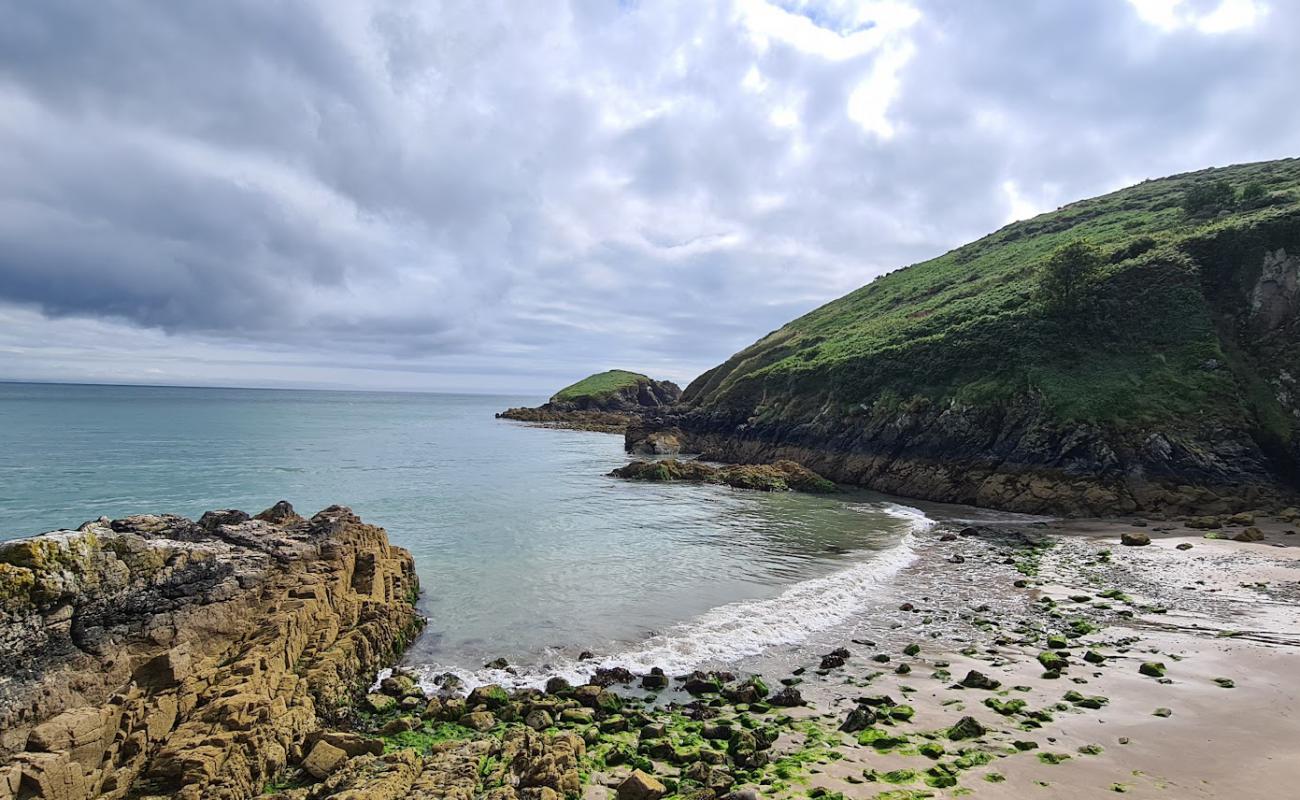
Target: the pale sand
pixel 1239 743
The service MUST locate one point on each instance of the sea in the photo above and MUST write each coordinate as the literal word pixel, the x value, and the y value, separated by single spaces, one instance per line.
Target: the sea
pixel 526 549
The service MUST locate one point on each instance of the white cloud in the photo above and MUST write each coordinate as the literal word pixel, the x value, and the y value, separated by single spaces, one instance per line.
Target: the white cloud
pixel 1223 17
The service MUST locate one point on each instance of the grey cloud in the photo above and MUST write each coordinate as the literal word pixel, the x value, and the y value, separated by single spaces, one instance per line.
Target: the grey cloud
pixel 430 194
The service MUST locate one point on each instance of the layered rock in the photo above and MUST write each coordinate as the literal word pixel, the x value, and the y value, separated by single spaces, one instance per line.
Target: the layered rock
pixel 780 476
pixel 154 656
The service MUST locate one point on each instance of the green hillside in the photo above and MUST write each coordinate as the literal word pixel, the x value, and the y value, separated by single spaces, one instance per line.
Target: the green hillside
pixel 602 384
pixel 972 326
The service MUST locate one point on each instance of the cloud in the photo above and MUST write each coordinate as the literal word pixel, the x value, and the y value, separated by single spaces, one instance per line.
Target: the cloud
pixel 489 195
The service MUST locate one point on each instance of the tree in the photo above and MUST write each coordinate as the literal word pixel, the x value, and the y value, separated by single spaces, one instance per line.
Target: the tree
pixel 1208 197
pixel 1253 195
pixel 1065 277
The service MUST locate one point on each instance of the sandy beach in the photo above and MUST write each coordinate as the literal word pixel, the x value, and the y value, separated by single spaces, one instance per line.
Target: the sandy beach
pixel 1217 719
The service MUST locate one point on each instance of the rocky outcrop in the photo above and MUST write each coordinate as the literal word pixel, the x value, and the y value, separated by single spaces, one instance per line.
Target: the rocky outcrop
pixel 154 656
pixel 1008 457
pixel 606 402
pixel 780 476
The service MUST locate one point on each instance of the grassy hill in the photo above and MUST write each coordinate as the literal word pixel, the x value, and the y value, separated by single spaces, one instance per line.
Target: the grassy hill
pixel 1182 328
pixel 600 385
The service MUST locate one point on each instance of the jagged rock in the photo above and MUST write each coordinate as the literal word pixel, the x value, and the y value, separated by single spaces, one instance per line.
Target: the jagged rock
pixel 966 728
pixel 155 656
pixel 788 697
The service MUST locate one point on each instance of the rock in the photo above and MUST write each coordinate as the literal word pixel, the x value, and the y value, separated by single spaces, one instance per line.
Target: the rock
pixel 1093 657
pixel 978 680
pixel 948 537
pixel 1243 518
pixel 654 681
pixel 396 685
pixel 1153 669
pixel 831 661
pixel 966 728
pixel 640 786
pixel 557 685
pixel 490 695
pixel 957 558
pixel 1134 539
pixel 380 703
pixel 788 697
pixel 912 650
pixel 1184 546
pixel 497 663
pixel 698 683
pixel 281 513
pixel 858 719
pixel 398 725
pixel 1163 712
pixel 539 720
pixel 479 720
pixel 1249 535
pixel 608 676
pixel 323 760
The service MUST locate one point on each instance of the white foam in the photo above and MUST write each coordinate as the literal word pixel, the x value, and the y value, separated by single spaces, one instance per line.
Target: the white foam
pixel 735 630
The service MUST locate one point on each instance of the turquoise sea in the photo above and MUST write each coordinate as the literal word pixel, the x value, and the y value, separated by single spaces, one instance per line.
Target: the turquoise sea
pixel 525 548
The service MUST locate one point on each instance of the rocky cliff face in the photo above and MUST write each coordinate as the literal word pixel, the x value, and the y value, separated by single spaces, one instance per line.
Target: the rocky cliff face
pixel 154 656
pixel 1170 386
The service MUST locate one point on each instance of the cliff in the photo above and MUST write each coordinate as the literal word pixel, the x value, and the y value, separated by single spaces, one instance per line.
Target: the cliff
pixel 154 656
pixel 1136 351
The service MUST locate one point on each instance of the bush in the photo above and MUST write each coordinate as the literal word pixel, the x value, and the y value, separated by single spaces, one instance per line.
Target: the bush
pixel 1208 198
pixel 1066 275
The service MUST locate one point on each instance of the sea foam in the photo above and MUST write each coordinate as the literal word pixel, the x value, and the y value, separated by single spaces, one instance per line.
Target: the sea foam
pixel 735 630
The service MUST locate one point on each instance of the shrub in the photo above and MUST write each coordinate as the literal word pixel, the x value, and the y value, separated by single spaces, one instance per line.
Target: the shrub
pixel 1065 277
pixel 1209 197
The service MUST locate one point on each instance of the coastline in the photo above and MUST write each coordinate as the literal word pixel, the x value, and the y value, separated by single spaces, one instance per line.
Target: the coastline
pixel 935 688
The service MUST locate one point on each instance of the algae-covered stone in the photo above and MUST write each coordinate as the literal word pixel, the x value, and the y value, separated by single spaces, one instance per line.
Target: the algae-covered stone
pixel 380 703
pixel 912 649
pixel 966 728
pixel 1152 669
pixel 640 786
pixel 1163 712
pixel 1249 535
pixel 1134 539
pixel 490 695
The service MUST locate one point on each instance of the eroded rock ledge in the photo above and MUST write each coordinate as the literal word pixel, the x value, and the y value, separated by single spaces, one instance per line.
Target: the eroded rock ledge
pixel 154 656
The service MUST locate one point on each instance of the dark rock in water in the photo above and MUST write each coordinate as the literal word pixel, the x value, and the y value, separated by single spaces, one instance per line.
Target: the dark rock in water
pixel 608 676
pixel 978 680
pixel 779 476
pixel 1134 539
pixel 557 685
pixel 902 669
pixel 701 683
pixel 957 558
pixel 966 728
pixel 787 698
pixel 907 607
pixel 655 680
pixel 1184 546
pixel 859 719
pixel 832 661
pixel 586 655
pixel 496 663
pixel 948 537
pixel 968 532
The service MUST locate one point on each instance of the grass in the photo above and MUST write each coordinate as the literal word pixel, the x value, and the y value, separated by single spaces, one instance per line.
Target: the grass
pixel 968 327
pixel 600 385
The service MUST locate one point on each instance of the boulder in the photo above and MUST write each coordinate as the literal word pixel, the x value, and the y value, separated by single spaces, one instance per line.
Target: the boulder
pixel 1134 539
pixel 640 786
pixel 323 760
pixel 1249 535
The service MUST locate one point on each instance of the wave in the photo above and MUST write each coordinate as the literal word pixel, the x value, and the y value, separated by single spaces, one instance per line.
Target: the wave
pixel 733 631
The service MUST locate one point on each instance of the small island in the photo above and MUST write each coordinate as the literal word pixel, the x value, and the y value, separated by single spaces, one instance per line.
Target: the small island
pixel 606 402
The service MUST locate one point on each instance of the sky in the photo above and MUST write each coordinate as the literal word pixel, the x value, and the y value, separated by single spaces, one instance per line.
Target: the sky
pixel 494 196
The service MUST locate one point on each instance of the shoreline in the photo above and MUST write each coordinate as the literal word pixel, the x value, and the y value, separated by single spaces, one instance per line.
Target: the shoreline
pixel 999 659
